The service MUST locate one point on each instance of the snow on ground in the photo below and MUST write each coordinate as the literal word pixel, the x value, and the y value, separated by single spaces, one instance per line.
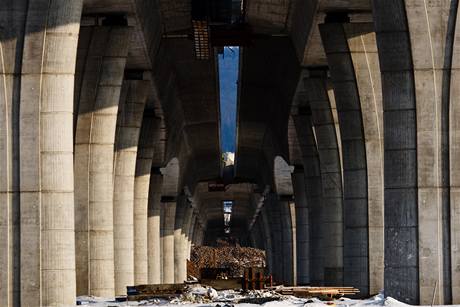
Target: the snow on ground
pixel 200 297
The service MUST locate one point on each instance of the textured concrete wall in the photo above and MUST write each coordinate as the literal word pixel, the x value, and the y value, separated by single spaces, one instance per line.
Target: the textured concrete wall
pixel 130 117
pixel 330 214
pixel 94 152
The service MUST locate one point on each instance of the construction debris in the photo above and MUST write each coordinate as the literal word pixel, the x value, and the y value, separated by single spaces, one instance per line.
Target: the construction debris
pixel 146 292
pixel 325 293
pixel 233 258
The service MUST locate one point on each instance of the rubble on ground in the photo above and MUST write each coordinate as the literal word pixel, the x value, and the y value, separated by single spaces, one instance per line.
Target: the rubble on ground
pixel 234 258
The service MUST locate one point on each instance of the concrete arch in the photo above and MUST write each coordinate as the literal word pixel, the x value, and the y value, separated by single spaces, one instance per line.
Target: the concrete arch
pixel 129 121
pixel 38 44
pixel 94 159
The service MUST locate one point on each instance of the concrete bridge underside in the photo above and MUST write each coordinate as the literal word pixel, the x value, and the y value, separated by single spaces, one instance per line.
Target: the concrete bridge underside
pixel 347 167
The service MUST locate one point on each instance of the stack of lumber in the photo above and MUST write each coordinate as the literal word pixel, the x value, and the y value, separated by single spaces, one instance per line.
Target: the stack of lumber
pixel 145 292
pixel 321 292
pixel 232 257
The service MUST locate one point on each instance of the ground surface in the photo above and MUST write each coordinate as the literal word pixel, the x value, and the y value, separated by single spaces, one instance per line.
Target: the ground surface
pixel 200 297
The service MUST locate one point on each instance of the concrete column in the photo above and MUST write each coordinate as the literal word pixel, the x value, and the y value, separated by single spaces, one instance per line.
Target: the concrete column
pixel 201 232
pixel 431 29
pixel 331 213
pixel 274 214
pixel 94 158
pixel 168 214
pixel 288 241
pixel 180 268
pixel 268 240
pixel 190 233
pixel 454 164
pixel 195 231
pixel 308 189
pixel 416 90
pixel 12 20
pixel 400 162
pixel 130 117
pixel 188 217
pixel 302 228
pixel 362 46
pixel 354 158
pixel 150 125
pixel 154 226
pixel 38 44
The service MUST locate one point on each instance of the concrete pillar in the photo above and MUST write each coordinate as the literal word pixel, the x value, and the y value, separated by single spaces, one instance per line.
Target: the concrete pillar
pixel 362 46
pixel 190 233
pixel 431 30
pixel 201 232
pixel 38 43
pixel 94 158
pixel 400 163
pixel 130 117
pixel 180 268
pixel 153 231
pixel 355 174
pixel 415 86
pixel 453 216
pixel 150 125
pixel 308 194
pixel 302 228
pixel 268 240
pixel 168 214
pixel 330 213
pixel 188 217
pixel 288 240
pixel 274 214
pixel 12 19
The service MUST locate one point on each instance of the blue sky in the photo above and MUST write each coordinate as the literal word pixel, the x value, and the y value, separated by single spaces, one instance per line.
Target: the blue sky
pixel 228 76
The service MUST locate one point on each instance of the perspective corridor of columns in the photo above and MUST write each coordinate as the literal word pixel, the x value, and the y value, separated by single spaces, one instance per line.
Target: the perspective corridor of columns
pixel 115 120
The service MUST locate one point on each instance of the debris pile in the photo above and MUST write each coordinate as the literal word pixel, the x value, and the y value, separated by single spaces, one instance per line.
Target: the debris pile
pixel 233 258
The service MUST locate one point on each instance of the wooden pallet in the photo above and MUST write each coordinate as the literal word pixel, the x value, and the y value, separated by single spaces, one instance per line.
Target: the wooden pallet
pixel 142 292
pixel 322 292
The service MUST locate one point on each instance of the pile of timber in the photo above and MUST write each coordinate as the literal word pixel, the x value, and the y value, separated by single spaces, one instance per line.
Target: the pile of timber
pixel 234 258
pixel 146 292
pixel 320 292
